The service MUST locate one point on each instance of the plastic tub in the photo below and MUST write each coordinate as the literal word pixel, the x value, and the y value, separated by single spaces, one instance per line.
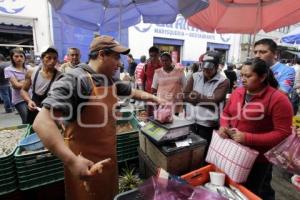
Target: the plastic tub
pixel 31 143
pixel 217 178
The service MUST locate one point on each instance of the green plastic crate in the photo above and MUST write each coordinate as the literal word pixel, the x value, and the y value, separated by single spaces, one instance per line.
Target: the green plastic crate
pixel 39 173
pixel 46 164
pixel 127 156
pixel 33 158
pixel 9 186
pixel 7 165
pixel 127 137
pixel 8 175
pixel 132 149
pixel 128 142
pixel 41 181
pixel 6 170
pixel 127 145
pixel 8 159
pixel 27 171
pixel 129 148
pixel 37 168
pixel 131 119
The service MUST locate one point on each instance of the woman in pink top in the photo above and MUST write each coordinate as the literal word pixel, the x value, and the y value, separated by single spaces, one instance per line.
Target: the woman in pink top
pixel 16 76
pixel 168 82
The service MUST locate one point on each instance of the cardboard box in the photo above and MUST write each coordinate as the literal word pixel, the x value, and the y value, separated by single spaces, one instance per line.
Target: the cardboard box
pixel 146 167
pixel 175 160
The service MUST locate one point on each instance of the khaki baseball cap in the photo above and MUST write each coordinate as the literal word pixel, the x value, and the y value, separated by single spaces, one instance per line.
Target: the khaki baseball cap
pixel 107 42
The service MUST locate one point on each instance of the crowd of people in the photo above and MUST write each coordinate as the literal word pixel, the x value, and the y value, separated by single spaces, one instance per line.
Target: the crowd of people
pixel 258 113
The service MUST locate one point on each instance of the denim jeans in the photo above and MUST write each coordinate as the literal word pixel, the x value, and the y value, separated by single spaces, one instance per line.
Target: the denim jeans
pixel 295 101
pixel 5 95
pixel 23 111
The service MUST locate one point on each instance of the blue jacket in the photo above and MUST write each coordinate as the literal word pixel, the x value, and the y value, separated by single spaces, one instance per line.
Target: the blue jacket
pixel 285 76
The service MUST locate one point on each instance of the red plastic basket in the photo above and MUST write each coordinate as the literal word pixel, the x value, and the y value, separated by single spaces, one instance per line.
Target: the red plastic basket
pixel 201 176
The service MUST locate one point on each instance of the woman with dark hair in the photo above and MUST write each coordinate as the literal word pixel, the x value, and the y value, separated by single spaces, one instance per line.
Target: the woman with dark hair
pixel 16 76
pixel 258 115
pixel 168 82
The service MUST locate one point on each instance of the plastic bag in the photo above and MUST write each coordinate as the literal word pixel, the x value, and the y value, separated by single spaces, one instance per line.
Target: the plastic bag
pixel 163 114
pixel 164 189
pixel 234 159
pixel 170 189
pixel 286 154
pixel 296 181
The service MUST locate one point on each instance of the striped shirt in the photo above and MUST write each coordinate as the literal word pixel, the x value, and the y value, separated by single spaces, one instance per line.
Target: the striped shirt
pixel 138 72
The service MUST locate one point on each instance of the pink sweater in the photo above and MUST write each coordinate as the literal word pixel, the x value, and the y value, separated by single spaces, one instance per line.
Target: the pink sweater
pixel 266 119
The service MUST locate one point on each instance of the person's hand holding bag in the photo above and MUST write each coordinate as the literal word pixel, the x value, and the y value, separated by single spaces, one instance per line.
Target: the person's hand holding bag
pixel 298 132
pixel 236 135
pixel 223 132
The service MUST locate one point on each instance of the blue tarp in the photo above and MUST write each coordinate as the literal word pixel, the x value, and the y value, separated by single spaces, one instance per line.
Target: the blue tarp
pixel 292 37
pixel 107 15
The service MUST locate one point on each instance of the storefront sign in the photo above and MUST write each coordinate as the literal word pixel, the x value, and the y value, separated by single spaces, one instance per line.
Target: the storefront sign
pixel 193 42
pixel 179 29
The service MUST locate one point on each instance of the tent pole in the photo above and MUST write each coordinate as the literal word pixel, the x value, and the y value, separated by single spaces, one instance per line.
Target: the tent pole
pixel 258 20
pixel 249 45
pixel 120 20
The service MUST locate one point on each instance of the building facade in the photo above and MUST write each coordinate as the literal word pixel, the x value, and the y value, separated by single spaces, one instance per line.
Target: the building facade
pixel 184 42
pixel 29 23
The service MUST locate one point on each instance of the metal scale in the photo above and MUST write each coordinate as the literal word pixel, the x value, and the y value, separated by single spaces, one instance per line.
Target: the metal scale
pixel 161 133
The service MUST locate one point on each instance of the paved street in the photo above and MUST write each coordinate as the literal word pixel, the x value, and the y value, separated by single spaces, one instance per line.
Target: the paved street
pixel 8 119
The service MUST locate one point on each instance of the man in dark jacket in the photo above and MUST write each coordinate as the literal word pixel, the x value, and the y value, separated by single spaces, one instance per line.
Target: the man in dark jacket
pixel 231 75
pixel 131 65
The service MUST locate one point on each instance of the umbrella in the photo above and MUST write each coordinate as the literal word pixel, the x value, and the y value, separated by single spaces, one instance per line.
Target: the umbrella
pixel 111 15
pixel 293 37
pixel 246 16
